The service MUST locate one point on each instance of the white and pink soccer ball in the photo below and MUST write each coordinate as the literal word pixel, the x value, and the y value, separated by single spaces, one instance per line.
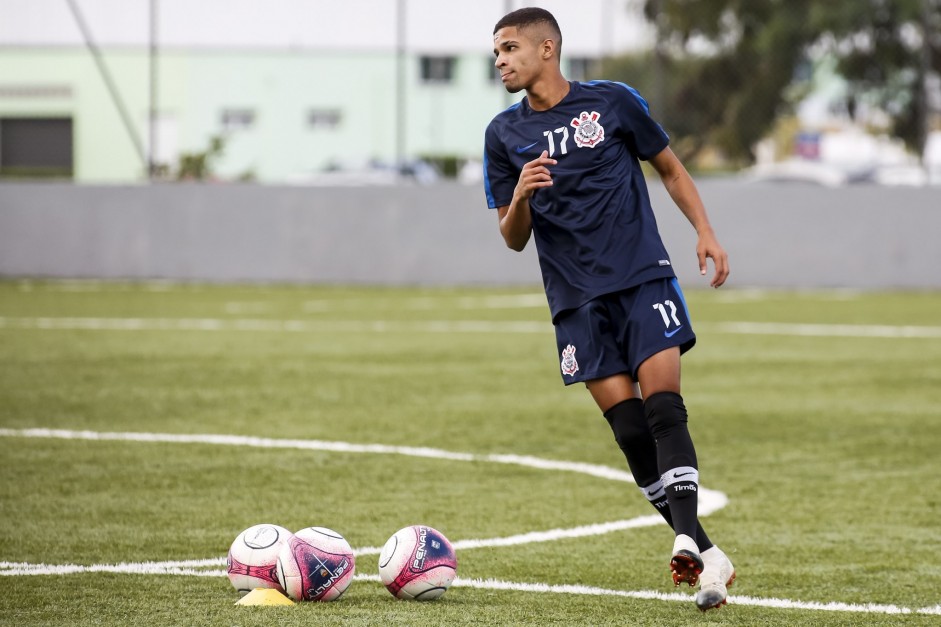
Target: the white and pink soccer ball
pixel 417 563
pixel 253 558
pixel 316 564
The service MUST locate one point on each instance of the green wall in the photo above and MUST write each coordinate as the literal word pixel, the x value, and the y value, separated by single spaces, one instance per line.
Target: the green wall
pixel 195 86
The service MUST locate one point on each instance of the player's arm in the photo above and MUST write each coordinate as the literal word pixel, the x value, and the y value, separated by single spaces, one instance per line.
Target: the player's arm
pixel 516 219
pixel 683 191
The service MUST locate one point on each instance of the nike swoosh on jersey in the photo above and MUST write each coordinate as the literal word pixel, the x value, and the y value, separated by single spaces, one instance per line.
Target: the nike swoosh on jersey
pixel 521 149
pixel 672 333
pixel 682 474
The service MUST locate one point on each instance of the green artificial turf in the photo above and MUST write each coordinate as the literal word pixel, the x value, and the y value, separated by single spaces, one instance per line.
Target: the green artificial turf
pixel 826 445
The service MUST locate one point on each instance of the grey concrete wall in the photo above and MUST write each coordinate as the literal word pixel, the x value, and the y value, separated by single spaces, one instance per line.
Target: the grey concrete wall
pixel 777 235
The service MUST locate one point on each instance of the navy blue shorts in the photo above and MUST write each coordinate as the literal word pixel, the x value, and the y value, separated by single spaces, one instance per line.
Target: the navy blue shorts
pixel 615 333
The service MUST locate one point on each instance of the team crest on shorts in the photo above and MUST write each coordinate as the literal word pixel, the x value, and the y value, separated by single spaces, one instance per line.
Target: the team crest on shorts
pixel 588 132
pixel 569 365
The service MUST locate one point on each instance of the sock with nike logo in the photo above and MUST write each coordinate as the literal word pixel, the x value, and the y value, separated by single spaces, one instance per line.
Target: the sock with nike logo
pixel 676 459
pixel 632 433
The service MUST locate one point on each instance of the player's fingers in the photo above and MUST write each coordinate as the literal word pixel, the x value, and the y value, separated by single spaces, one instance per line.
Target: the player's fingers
pixel 722 270
pixel 540 174
pixel 541 159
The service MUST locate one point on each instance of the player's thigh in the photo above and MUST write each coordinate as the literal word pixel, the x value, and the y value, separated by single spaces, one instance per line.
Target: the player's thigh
pixel 660 373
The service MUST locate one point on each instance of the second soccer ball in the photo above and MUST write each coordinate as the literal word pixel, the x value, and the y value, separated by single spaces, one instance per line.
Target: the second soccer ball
pixel 316 564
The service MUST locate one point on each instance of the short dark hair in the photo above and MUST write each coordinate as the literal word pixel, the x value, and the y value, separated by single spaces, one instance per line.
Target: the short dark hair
pixel 531 16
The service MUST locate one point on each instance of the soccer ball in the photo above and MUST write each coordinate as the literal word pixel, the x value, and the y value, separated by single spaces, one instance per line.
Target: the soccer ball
pixel 317 564
pixel 253 558
pixel 417 563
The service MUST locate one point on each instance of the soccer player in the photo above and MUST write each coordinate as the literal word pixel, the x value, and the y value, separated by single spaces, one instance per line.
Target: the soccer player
pixel 562 165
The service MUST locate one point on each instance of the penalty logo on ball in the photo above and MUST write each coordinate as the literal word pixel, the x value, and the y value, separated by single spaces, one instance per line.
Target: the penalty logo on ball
pixel 317 564
pixel 417 562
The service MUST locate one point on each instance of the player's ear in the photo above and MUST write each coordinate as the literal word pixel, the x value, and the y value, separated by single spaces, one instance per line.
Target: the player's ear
pixel 548 49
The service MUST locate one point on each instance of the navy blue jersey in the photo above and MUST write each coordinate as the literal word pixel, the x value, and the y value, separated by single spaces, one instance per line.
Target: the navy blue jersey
pixel 594 229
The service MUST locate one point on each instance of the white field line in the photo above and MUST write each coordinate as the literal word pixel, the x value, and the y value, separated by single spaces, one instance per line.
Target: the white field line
pixel 196 568
pixel 710 501
pixel 870 608
pixel 826 330
pixel 191 568
pixel 274 325
pixel 441 326
pixel 535 300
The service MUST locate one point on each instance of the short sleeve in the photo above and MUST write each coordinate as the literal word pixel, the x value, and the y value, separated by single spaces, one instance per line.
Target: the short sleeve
pixel 500 177
pixel 643 135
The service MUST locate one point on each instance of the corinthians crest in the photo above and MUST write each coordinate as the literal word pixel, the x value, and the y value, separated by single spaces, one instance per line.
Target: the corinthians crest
pixel 569 365
pixel 588 133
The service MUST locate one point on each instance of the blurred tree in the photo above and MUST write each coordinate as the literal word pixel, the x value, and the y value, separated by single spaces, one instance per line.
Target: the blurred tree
pixel 197 166
pixel 723 70
pixel 886 49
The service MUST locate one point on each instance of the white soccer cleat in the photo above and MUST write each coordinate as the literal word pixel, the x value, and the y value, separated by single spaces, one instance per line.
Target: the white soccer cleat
pixel 686 562
pixel 717 575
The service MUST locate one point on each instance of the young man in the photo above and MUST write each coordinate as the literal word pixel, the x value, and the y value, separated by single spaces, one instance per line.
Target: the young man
pixel 562 166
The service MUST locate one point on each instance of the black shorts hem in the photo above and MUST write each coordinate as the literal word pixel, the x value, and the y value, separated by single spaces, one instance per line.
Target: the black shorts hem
pixel 567 380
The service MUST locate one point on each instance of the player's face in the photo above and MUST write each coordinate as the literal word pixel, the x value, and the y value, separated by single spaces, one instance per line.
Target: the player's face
pixel 518 59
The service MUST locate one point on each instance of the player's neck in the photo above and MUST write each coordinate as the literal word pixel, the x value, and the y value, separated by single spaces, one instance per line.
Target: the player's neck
pixel 547 93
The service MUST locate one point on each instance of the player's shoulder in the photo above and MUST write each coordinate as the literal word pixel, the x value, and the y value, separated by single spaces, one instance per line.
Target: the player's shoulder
pixel 507 114
pixel 499 125
pixel 611 89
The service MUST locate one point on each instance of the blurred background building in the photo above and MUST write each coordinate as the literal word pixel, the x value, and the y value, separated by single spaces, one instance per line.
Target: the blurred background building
pixel 275 91
pixel 358 92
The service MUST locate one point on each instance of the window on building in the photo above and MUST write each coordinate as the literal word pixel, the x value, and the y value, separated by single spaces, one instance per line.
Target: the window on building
pixel 40 147
pixel 324 119
pixel 581 69
pixel 237 119
pixel 438 69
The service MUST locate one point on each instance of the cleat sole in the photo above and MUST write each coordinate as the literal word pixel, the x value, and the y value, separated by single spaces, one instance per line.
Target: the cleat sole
pixel 686 568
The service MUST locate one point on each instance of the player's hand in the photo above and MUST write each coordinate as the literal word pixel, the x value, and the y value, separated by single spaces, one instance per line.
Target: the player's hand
pixel 535 175
pixel 707 247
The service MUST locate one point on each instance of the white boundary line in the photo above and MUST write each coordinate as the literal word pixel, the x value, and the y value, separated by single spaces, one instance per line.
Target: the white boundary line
pixel 871 608
pixel 826 330
pixel 191 568
pixel 273 325
pixel 710 501
pixel 442 326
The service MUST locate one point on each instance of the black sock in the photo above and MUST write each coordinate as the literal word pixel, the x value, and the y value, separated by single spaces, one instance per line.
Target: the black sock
pixel 676 459
pixel 657 495
pixel 632 433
